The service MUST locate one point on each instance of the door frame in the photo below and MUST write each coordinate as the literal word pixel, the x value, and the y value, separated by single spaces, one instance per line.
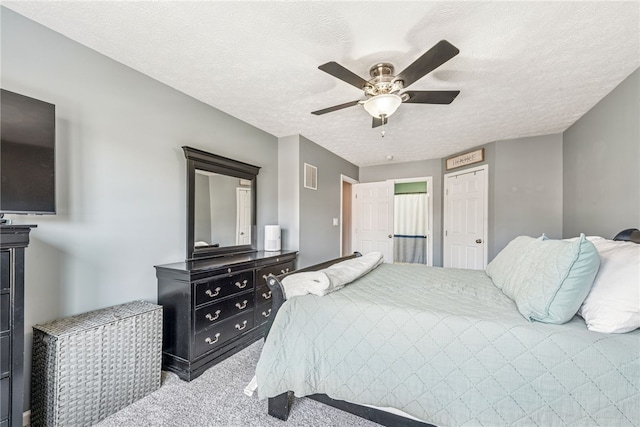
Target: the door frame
pixel 445 208
pixel 350 181
pixel 429 181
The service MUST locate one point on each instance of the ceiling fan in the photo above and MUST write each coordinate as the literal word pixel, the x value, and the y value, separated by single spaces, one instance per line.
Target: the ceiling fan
pixel 382 90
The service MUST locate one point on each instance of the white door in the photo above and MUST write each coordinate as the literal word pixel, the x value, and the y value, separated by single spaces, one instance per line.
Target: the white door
pixel 243 216
pixel 465 219
pixel 373 218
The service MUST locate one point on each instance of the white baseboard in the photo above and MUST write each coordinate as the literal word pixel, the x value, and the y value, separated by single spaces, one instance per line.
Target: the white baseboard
pixel 26 418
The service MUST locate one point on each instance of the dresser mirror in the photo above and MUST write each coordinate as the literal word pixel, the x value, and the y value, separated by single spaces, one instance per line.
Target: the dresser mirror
pixel 221 205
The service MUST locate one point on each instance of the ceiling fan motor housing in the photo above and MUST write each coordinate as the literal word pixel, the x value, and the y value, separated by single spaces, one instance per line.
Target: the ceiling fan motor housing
pixel 382 81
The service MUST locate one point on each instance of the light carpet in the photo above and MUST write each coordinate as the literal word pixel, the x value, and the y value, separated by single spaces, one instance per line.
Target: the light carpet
pixel 216 398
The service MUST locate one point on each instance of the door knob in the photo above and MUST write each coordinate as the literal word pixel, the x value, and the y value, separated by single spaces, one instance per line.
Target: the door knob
pixel 390 236
pixel 478 240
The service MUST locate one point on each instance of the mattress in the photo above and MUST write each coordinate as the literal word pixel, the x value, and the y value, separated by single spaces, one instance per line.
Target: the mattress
pixel 446 346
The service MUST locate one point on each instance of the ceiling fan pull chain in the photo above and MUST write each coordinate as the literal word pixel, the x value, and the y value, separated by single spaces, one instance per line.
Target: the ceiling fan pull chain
pixel 383 117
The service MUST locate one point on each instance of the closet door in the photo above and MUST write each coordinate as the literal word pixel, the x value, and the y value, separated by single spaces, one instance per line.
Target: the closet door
pixel 465 219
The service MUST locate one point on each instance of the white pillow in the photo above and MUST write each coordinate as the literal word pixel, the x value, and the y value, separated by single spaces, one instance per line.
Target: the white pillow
pixel 613 304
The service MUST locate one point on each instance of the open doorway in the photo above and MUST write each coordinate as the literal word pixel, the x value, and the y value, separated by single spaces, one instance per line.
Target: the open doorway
pixel 398 225
pixel 346 215
pixel 412 218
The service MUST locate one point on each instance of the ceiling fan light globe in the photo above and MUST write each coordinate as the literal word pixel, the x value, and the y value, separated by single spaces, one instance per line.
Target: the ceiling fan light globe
pixel 382 105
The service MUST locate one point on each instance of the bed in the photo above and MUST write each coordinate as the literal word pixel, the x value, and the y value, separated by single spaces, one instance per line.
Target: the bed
pixel 417 345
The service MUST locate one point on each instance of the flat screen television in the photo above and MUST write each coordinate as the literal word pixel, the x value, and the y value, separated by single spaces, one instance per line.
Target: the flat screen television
pixel 27 155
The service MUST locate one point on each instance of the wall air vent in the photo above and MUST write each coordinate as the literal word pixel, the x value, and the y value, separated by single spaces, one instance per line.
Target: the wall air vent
pixel 310 177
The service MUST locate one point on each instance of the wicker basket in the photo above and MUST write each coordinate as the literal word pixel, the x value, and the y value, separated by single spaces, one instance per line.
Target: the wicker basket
pixel 88 366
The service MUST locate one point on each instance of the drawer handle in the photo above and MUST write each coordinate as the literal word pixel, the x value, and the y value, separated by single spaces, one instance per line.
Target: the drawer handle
pixel 242 285
pixel 214 293
pixel 212 341
pixel 242 306
pixel 284 271
pixel 214 317
pixel 266 295
pixel 241 327
pixel 266 313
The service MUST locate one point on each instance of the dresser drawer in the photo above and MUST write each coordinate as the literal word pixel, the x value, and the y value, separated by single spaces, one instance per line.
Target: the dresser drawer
pixel 212 338
pixel 217 312
pixel 277 269
pixel 5 270
pixel 4 355
pixel 4 398
pixel 263 295
pixel 220 287
pixel 4 311
pixel 262 313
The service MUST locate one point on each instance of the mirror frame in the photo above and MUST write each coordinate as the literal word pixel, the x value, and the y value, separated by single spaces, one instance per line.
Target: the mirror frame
pixel 202 160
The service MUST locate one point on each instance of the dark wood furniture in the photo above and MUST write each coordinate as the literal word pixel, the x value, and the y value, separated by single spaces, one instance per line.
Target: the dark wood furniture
pixel 215 307
pixel 13 240
pixel 217 302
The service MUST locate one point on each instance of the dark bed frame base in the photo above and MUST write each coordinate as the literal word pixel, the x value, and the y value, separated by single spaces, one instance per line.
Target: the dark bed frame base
pixel 280 406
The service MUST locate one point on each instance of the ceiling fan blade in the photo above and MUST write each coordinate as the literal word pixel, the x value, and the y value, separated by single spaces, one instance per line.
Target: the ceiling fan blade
pixel 429 61
pixel 431 96
pixel 377 121
pixel 338 71
pixel 335 108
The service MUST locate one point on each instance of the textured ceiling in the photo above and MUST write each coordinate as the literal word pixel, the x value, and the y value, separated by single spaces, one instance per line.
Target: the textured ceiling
pixel 524 68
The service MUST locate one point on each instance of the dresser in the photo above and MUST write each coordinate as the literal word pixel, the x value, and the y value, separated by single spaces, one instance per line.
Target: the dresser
pixel 215 307
pixel 13 241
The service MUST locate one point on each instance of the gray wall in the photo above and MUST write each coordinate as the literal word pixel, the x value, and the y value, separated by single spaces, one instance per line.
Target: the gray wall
pixel 416 169
pixel 319 238
pixel 525 188
pixel 306 216
pixel 289 191
pixel 121 184
pixel 526 193
pixel 601 170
